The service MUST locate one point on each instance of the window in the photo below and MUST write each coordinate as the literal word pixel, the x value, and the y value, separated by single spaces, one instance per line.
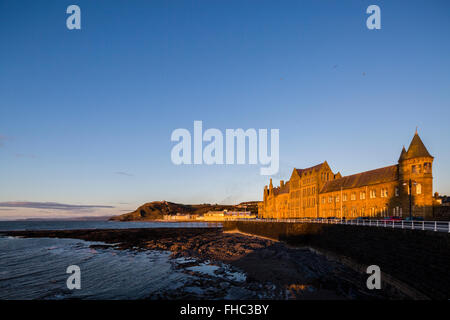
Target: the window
pixel 384 193
pixel 330 199
pixel 344 197
pixel 427 167
pixel 373 194
pixel 353 196
pixel 323 199
pixel 337 198
pixel 418 188
pixel 414 168
pixel 396 191
pixel 362 195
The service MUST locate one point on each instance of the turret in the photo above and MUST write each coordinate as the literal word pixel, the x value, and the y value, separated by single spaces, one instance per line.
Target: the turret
pixel 415 164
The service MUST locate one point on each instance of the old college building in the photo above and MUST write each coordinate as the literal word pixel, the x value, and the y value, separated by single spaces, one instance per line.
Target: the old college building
pixel 318 192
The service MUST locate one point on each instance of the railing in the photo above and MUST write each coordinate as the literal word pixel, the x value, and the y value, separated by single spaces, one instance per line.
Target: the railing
pixel 438 226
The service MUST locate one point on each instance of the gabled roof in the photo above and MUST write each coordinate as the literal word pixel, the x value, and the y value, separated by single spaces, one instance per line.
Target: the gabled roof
pixel 310 169
pixel 371 177
pixel 416 149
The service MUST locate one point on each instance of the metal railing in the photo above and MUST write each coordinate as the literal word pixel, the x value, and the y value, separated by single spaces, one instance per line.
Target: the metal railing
pixel 437 226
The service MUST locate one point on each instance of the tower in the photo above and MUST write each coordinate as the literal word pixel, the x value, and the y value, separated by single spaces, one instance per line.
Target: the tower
pixel 415 169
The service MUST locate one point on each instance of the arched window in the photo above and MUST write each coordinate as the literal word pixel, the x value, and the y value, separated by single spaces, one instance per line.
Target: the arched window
pixel 419 189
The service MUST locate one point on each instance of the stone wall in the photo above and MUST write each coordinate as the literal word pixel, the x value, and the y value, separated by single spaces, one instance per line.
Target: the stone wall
pixel 420 259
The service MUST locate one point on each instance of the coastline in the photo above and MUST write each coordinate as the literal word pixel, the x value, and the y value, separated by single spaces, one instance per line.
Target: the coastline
pixel 271 268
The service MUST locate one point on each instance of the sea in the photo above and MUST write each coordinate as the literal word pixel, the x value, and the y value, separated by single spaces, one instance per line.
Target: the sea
pixel 35 268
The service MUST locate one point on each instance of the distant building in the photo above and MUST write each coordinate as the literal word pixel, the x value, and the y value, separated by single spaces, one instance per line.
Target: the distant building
pixel 213 216
pixel 226 215
pixel 318 192
pixel 179 217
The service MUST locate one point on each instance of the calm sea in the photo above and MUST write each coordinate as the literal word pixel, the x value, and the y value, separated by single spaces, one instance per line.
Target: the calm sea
pixel 36 268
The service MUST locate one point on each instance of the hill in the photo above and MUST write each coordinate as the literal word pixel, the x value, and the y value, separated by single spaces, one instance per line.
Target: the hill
pixel 157 209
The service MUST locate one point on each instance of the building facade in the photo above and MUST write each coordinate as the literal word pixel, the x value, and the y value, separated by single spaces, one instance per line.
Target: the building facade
pixel 319 192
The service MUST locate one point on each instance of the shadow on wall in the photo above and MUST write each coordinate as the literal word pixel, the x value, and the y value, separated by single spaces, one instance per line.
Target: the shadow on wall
pixel 419 259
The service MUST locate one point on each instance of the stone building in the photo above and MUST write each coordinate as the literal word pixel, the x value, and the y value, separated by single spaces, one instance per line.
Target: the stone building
pixel 319 192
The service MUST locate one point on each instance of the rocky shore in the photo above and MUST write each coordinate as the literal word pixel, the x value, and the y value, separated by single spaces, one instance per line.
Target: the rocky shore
pixel 233 265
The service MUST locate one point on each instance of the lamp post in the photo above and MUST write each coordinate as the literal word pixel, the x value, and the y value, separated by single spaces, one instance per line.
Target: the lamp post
pixel 410 199
pixel 410 182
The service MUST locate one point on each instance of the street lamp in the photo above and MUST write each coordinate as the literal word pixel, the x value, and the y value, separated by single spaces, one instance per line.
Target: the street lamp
pixel 410 183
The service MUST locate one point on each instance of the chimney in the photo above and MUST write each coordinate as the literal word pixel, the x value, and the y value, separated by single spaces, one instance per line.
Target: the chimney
pixel 282 183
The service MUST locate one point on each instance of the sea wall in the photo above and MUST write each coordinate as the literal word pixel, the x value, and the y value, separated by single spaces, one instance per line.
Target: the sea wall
pixel 419 259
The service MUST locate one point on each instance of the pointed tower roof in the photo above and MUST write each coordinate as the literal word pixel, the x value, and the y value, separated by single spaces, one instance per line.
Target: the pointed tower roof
pixel 417 148
pixel 402 154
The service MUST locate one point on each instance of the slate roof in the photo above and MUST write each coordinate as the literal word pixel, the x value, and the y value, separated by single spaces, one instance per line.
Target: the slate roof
pixel 314 168
pixel 416 149
pixel 371 177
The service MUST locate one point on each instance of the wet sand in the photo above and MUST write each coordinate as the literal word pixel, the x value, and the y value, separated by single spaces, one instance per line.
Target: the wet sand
pixel 272 269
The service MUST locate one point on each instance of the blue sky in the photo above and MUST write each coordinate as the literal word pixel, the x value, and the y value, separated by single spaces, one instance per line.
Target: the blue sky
pixel 86 115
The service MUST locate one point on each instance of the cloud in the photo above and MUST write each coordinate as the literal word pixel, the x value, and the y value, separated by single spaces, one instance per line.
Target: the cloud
pixel 124 173
pixel 24 155
pixel 51 205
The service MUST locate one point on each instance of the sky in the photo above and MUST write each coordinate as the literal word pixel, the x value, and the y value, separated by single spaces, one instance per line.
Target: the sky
pixel 86 115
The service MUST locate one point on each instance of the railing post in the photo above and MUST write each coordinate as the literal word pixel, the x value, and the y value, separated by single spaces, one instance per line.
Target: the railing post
pixel 435 226
pixel 402 224
pixel 423 225
pixel 449 227
pixel 377 223
pixel 385 223
pixel 412 224
pixel 393 224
